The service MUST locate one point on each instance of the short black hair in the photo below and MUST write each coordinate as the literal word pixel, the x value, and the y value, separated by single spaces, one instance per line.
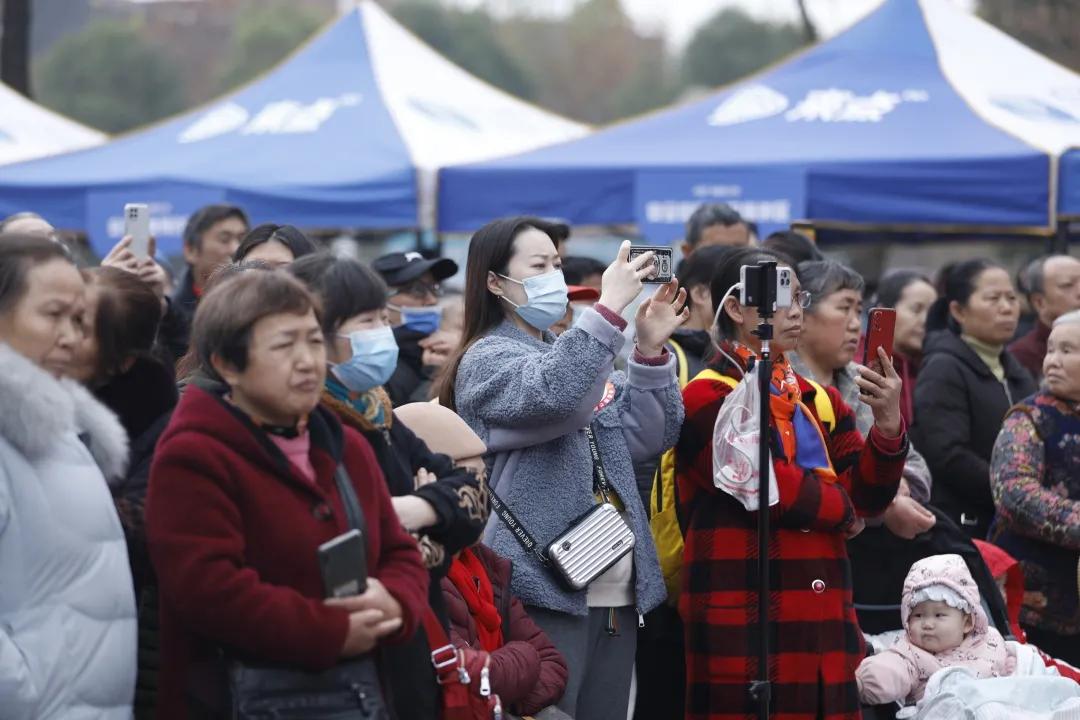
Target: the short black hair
pixel 710 214
pixel 345 287
pixel 822 278
pixel 205 218
pixel 699 268
pixel 793 246
pixel 727 275
pixel 298 243
pixel 576 268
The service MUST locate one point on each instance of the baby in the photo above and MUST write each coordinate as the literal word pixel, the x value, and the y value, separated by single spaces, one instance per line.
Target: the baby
pixel 946 627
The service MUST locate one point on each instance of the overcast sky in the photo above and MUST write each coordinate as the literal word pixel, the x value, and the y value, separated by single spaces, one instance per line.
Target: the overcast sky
pixel 679 18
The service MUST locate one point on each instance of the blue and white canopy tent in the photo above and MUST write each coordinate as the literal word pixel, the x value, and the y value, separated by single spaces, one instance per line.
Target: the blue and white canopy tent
pixel 348 132
pixel 919 116
pixel 28 130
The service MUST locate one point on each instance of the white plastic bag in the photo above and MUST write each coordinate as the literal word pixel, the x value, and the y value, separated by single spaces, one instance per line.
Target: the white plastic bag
pixel 735 445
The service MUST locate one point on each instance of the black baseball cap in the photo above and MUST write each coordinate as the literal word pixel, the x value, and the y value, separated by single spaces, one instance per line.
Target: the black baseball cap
pixel 399 269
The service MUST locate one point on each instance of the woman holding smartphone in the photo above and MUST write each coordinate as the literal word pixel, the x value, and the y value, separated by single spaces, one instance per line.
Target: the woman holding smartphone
pixel 828 480
pixel 530 398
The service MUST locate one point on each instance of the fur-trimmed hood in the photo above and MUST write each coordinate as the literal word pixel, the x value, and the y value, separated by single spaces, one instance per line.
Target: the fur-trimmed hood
pixel 37 408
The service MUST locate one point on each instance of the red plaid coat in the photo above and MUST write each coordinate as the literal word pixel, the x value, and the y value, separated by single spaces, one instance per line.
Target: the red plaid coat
pixel 816 642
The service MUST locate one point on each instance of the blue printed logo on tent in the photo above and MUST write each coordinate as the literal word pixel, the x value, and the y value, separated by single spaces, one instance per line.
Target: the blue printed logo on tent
pixel 281 117
pixel 758 102
pixel 1033 108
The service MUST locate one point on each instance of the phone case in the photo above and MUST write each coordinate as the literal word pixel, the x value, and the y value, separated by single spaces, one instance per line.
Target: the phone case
pixel 664 266
pixel 880 326
pixel 343 562
pixel 137 225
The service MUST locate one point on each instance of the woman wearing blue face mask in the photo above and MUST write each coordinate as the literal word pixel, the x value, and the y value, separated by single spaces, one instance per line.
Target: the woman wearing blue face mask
pixel 445 507
pixel 530 397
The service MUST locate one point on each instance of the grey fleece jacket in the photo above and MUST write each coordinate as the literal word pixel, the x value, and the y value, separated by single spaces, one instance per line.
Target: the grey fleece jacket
pixel 530 402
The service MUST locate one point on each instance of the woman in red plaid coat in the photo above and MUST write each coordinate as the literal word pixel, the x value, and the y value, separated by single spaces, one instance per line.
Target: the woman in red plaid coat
pixel 828 479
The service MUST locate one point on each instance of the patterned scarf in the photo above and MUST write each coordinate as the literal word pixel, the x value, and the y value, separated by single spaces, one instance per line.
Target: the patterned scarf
pixel 366 411
pixel 470 577
pixel 800 435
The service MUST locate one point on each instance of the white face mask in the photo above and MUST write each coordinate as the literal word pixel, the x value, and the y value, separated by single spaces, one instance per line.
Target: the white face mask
pixel 547 298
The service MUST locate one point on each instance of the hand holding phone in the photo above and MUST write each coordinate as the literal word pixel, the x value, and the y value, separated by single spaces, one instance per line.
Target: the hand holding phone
pixel 880 327
pixel 662 268
pixel 343 562
pixel 137 227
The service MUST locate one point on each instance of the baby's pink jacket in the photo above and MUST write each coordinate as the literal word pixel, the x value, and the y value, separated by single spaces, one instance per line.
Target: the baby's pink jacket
pixel 901 672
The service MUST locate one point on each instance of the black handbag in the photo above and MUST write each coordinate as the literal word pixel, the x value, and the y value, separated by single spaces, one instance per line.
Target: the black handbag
pixel 348 691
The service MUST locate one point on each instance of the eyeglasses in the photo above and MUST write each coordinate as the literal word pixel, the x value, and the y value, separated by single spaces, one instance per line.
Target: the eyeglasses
pixel 420 290
pixel 802 297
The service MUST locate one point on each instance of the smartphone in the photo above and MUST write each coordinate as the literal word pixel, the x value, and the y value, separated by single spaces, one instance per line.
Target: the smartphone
pixel 879 334
pixel 343 562
pixel 662 269
pixel 137 225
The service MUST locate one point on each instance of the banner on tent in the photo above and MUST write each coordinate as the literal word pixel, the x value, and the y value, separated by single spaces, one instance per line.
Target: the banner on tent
pixel 169 211
pixel 664 200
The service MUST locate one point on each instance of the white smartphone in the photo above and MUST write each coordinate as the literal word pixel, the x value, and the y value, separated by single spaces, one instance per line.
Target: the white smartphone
pixel 137 225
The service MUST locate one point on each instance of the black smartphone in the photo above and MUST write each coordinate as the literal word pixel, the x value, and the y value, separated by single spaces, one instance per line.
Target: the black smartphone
pixel 662 268
pixel 343 562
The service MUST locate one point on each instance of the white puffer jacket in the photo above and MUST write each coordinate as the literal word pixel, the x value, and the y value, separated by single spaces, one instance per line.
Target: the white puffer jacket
pixel 67 608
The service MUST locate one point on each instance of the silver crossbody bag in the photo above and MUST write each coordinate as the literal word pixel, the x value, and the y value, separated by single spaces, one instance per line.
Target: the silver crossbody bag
pixel 592 543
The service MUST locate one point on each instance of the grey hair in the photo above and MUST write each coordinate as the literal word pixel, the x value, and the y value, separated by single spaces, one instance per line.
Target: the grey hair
pixel 822 278
pixel 1070 318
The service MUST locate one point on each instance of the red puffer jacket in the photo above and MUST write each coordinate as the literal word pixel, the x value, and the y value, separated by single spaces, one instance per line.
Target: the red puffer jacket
pixel 528 672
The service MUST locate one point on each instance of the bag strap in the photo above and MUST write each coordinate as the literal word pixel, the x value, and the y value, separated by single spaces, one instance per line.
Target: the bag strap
pixel 517 529
pixel 353 511
pixel 680 362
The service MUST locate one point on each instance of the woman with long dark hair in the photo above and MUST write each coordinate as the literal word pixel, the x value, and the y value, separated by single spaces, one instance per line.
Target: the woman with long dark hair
pixel 967 383
pixel 531 398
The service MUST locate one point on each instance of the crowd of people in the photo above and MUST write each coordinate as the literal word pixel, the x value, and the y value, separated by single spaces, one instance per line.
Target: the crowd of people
pixel 176 455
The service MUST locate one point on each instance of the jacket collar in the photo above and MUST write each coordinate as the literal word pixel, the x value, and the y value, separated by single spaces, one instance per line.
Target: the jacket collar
pixel 508 329
pixel 948 342
pixel 37 408
pixel 207 412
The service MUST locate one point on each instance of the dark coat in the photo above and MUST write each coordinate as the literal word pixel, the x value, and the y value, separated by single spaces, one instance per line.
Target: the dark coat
pixel 528 672
pixel 959 409
pixel 411 381
pixel 461 506
pixel 175 330
pixel 143 399
pixel 817 644
pixel 1030 349
pixel 233 529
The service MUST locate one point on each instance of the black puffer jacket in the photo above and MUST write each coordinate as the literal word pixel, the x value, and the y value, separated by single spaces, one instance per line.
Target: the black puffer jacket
pixel 959 409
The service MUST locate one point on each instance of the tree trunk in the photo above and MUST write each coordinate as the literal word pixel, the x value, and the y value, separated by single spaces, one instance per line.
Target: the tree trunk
pixel 15 46
pixel 808 25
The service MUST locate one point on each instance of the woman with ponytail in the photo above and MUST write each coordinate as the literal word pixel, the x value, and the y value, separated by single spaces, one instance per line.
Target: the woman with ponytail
pixel 967 383
pixel 531 398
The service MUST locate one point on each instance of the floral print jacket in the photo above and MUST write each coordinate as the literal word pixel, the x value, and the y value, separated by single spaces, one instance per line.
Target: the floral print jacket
pixel 1035 475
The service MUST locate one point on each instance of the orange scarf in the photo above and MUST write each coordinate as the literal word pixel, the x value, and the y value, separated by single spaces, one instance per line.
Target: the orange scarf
pixel 800 435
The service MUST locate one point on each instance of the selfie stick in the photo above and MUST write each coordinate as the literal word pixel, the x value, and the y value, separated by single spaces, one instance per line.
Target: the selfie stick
pixel 761 689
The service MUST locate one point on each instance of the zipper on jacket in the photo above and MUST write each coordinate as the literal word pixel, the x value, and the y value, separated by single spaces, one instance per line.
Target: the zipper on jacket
pixel 640 621
pixel 485 678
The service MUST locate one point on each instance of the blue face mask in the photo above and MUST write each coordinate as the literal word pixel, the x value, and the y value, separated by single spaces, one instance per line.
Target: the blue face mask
pixel 374 359
pixel 547 298
pixel 422 320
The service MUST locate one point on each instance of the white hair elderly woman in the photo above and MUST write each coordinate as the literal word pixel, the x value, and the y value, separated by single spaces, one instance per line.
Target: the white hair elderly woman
pixel 1035 474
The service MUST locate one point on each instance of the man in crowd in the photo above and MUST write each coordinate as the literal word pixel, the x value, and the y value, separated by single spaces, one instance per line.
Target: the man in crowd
pixel 583 271
pixel 716 224
pixel 211 237
pixel 28 223
pixel 415 314
pixel 1052 284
